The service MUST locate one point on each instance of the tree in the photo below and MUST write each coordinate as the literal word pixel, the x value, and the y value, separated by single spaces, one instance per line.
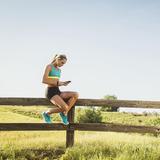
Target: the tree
pixel 109 108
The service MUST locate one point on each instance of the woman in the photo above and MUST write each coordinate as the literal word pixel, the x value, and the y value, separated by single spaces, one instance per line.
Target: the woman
pixel 52 79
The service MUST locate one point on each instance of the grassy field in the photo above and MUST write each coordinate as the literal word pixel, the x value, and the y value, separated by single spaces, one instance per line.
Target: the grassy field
pixel 37 145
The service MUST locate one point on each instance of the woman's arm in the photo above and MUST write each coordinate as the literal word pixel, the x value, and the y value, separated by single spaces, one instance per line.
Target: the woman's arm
pixel 47 80
pixel 54 82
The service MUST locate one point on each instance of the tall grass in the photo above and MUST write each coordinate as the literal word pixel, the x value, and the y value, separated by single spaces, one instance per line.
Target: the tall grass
pixel 32 145
pixel 48 145
pixel 88 145
pixel 117 146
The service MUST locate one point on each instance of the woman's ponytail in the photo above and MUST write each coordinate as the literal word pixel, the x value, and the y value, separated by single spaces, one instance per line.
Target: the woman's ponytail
pixel 55 57
pixel 61 56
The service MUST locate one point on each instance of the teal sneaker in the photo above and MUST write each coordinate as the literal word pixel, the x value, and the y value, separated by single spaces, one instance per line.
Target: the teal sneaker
pixel 64 118
pixel 46 117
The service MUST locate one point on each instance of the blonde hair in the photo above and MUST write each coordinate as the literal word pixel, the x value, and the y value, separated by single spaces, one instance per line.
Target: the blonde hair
pixel 59 56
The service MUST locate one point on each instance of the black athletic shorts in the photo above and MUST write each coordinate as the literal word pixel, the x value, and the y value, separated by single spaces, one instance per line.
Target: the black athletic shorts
pixel 52 91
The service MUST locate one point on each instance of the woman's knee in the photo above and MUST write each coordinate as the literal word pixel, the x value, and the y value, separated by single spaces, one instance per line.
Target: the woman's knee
pixel 56 100
pixel 76 95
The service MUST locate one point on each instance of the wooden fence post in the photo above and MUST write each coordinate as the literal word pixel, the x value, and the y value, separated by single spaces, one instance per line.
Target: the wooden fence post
pixel 70 129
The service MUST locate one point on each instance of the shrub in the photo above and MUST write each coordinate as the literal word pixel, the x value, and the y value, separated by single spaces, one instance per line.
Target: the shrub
pixel 89 116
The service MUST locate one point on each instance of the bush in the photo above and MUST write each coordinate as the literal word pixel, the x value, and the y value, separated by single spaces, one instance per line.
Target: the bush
pixel 89 116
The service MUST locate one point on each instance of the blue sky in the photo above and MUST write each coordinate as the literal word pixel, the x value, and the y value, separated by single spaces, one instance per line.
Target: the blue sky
pixel 112 47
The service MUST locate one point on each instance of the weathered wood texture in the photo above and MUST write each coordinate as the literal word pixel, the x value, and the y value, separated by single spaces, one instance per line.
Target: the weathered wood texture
pixel 83 102
pixel 31 126
pixel 70 128
pixel 76 126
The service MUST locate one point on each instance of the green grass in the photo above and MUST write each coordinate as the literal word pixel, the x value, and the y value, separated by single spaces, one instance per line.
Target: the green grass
pixel 117 146
pixel 47 145
pixel 23 114
pixel 33 114
pixel 131 119
pixel 88 145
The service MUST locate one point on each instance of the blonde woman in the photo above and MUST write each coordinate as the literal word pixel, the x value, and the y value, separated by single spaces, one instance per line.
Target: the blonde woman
pixel 51 77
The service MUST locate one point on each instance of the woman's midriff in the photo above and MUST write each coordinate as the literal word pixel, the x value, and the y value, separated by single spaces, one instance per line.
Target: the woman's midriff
pixel 51 85
pixel 55 79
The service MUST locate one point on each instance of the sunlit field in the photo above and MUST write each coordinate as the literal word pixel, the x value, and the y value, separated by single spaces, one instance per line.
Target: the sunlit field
pixel 37 145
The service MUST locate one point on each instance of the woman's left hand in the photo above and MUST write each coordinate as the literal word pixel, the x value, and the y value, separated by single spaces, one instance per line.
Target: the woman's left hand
pixel 63 83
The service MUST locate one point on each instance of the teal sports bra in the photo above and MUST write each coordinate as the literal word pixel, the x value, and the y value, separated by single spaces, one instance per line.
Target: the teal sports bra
pixel 54 73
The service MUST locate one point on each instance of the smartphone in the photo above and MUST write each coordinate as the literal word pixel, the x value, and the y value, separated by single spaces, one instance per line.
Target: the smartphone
pixel 67 81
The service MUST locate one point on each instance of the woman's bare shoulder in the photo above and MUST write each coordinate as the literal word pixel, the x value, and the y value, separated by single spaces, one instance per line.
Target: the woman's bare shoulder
pixel 49 66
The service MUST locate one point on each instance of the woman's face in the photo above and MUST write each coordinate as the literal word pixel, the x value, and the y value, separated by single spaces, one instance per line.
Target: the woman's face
pixel 61 62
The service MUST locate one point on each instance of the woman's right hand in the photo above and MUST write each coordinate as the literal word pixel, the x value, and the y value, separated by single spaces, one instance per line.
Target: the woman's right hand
pixel 65 83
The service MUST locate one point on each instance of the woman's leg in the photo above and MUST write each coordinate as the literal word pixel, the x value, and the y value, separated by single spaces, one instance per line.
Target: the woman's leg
pixel 60 103
pixel 54 110
pixel 71 96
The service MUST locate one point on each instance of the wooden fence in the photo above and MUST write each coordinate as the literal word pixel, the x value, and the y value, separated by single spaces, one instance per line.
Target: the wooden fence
pixel 79 126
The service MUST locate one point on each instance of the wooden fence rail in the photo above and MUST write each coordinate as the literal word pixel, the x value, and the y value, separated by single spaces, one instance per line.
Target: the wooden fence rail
pixel 82 102
pixel 75 126
pixel 78 126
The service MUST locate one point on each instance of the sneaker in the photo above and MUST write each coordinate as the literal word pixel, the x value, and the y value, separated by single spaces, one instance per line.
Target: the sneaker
pixel 46 117
pixel 64 118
